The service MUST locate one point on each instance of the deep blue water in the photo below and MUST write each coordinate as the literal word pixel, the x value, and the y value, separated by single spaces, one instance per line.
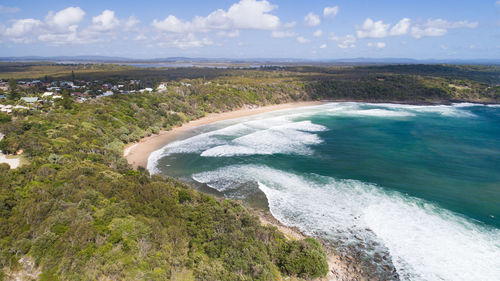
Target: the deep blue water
pixel 419 182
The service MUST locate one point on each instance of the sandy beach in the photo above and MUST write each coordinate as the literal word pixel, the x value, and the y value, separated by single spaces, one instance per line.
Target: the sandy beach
pixel 137 153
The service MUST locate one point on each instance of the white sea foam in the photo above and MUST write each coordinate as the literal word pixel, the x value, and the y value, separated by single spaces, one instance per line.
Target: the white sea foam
pixel 153 159
pixel 444 110
pixel 376 112
pixel 426 242
pixel 292 138
pixel 466 104
pixel 389 110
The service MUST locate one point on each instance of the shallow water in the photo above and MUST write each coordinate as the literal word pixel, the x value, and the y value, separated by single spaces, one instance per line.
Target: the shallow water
pixel 419 182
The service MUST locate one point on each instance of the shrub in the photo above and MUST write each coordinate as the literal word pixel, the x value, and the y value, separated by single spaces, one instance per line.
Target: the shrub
pixel 304 258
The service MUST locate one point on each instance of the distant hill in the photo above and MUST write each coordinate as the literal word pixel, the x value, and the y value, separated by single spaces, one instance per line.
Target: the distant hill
pixel 284 61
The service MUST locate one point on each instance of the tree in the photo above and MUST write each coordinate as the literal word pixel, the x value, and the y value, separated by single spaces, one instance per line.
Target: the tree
pixel 12 85
pixel 14 95
pixel 67 101
pixel 4 118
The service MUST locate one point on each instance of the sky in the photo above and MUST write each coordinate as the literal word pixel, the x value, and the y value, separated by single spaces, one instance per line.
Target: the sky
pixel 311 29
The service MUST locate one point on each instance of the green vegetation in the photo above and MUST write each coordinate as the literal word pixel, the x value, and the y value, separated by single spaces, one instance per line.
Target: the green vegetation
pixel 410 83
pixel 80 212
pixel 4 118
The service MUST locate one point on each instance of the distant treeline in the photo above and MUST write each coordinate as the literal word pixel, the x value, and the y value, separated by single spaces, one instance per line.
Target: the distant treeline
pixel 411 82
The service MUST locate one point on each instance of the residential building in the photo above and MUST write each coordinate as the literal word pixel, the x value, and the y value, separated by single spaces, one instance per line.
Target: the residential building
pixel 29 100
pixel 162 87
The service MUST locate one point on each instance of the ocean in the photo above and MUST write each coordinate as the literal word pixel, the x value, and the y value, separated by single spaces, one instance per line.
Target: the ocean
pixel 418 183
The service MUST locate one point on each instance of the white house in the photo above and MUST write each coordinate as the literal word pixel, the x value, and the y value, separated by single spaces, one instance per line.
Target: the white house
pixel 67 83
pixel 146 90
pixel 106 94
pixel 162 87
pixel 29 100
pixel 47 94
pixel 6 108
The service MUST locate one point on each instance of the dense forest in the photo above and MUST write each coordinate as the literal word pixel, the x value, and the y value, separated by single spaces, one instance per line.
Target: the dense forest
pixel 78 211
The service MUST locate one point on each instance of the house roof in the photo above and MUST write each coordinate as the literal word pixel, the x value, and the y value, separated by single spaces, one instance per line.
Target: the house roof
pixel 29 99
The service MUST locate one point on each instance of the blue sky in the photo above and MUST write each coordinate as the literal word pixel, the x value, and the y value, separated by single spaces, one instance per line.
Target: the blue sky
pixel 252 29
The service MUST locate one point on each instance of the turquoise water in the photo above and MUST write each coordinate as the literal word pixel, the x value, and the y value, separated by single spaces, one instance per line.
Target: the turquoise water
pixel 419 182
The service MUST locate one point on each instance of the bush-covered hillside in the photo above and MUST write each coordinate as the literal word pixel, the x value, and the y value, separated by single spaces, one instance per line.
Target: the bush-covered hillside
pixel 79 212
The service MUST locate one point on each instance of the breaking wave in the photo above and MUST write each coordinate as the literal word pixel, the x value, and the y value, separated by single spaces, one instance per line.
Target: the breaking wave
pixel 426 242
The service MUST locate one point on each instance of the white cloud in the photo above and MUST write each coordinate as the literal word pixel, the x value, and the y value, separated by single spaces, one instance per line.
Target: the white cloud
pixel 171 24
pixel 62 27
pixel 330 12
pixel 322 46
pixel 318 33
pixel 378 45
pixel 130 23
pixel 432 27
pixel 65 19
pixel 246 14
pixel 438 27
pixel 22 31
pixel 401 28
pixel 140 37
pixel 8 10
pixel 302 40
pixel 229 34
pixel 182 41
pixel 252 14
pixel 312 19
pixel 72 36
pixel 372 29
pixel 106 21
pixel 344 42
pixel 283 34
pixel 419 32
pixel 290 24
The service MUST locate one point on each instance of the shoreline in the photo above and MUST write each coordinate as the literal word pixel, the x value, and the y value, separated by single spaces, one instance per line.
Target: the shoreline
pixel 137 153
